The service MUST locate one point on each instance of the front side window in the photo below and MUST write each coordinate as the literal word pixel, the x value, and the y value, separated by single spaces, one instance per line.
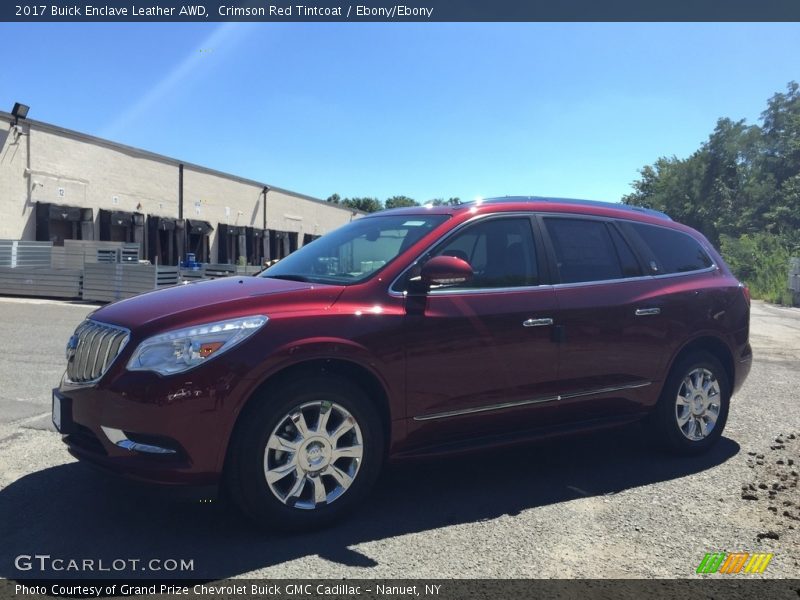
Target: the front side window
pixel 585 250
pixel 355 251
pixel 673 251
pixel 500 251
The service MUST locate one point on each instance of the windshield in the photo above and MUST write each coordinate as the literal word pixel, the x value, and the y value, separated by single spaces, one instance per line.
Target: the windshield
pixel 354 252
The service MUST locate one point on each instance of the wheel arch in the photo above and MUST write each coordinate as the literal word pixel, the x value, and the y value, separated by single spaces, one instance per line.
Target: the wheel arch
pixel 350 370
pixel 714 346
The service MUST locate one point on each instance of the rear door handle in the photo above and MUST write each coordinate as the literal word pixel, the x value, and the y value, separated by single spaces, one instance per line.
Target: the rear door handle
pixel 537 322
pixel 643 312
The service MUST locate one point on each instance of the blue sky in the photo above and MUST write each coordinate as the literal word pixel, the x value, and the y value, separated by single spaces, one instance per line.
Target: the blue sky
pixel 425 110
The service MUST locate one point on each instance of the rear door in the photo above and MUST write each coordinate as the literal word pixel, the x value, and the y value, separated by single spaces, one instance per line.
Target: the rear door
pixel 611 330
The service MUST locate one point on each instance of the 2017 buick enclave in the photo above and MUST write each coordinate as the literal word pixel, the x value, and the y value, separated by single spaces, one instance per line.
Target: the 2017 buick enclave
pixel 406 333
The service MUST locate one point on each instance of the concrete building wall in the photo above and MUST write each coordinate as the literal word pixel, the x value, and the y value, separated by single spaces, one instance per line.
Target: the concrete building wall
pixel 48 164
pixel 15 204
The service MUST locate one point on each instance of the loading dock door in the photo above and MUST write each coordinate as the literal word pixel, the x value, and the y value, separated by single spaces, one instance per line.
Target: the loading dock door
pixel 255 246
pixel 197 242
pixel 121 226
pixel 164 240
pixel 282 243
pixel 56 223
pixel 232 243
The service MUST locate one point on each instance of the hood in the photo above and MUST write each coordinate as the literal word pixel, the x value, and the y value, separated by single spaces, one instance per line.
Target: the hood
pixel 216 300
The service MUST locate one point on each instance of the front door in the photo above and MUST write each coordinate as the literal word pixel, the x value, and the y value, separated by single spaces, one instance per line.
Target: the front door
pixel 480 356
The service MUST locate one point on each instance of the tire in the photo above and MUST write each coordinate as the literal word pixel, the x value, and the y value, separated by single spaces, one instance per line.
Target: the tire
pixel 295 500
pixel 672 418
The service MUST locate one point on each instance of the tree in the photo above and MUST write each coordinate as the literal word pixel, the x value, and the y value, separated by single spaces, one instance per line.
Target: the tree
pixel 442 202
pixel 334 199
pixel 368 205
pixel 400 201
pixel 741 189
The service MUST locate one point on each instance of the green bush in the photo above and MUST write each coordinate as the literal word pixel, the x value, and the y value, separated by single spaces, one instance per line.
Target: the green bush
pixel 761 261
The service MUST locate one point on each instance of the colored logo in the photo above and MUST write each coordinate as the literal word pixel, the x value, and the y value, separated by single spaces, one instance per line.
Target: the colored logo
pixel 734 562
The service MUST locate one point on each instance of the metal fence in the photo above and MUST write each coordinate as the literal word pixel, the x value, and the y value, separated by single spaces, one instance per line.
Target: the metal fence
pixel 18 253
pixel 93 270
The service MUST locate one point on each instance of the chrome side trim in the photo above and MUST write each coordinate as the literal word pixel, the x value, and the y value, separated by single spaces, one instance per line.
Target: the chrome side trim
pixel 644 312
pixel 118 438
pixel 518 403
pixel 537 322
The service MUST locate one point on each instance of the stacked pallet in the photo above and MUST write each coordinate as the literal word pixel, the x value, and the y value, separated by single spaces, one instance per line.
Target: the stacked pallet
pixel 110 282
pixel 43 282
pixel 75 253
pixel 214 271
pixel 26 270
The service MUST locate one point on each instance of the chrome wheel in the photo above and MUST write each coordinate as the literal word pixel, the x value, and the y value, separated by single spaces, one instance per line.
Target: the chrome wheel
pixel 313 455
pixel 697 406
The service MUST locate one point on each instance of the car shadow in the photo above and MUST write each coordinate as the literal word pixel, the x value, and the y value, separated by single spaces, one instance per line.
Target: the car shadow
pixel 71 512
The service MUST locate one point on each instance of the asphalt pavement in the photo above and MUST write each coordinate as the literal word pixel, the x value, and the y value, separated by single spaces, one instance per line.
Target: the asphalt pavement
pixel 608 505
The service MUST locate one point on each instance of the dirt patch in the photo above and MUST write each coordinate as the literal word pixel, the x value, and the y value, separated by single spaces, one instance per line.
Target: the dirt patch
pixel 774 485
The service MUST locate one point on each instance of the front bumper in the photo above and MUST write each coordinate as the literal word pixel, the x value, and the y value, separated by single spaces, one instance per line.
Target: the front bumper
pixel 162 430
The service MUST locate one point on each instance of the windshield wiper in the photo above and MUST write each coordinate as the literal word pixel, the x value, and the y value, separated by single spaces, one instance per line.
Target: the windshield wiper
pixel 290 277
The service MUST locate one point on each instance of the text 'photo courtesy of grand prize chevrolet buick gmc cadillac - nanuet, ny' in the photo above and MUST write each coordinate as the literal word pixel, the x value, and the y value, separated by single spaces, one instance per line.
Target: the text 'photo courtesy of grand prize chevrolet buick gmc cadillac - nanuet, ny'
pixel 409 333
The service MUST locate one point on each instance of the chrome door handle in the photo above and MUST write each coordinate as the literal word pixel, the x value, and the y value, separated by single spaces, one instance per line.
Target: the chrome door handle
pixel 643 312
pixel 537 322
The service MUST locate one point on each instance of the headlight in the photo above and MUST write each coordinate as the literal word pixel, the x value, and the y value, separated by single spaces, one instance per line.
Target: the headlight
pixel 182 349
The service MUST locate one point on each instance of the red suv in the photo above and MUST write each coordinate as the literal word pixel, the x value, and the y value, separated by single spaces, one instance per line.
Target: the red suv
pixel 408 333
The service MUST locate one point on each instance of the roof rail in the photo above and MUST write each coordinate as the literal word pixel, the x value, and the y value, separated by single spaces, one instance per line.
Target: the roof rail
pixel 617 205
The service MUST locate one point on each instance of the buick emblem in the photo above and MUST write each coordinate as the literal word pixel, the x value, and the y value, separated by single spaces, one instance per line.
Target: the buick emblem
pixel 72 346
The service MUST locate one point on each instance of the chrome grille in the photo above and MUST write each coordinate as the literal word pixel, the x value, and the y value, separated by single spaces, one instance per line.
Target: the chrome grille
pixel 92 350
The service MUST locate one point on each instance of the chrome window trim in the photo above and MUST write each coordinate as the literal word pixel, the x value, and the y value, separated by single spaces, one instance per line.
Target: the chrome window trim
pixel 527 214
pixel 702 245
pixel 126 339
pixel 519 403
pixel 639 278
pixel 461 291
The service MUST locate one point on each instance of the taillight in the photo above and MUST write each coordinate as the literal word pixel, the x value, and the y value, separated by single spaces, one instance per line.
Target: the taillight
pixel 745 292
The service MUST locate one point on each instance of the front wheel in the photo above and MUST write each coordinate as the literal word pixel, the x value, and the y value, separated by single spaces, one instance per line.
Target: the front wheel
pixel 693 407
pixel 308 452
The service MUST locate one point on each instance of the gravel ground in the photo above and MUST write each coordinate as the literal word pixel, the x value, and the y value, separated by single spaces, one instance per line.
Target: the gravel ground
pixel 603 506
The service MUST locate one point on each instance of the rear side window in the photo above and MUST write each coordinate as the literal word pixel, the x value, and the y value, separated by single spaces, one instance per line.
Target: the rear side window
pixel 585 251
pixel 673 251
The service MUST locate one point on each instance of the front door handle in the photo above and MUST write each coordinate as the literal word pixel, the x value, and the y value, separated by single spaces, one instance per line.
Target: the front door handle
pixel 643 312
pixel 537 322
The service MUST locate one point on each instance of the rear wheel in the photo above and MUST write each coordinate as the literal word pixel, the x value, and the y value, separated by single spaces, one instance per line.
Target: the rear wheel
pixel 693 407
pixel 307 453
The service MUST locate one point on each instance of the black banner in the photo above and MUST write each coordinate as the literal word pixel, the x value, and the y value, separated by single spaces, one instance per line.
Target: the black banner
pixel 739 587
pixel 276 11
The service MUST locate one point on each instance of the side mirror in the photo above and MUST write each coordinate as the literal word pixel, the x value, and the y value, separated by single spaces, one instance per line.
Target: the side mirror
pixel 445 270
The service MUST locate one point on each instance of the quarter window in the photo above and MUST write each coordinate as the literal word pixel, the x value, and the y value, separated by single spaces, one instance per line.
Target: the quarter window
pixel 673 251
